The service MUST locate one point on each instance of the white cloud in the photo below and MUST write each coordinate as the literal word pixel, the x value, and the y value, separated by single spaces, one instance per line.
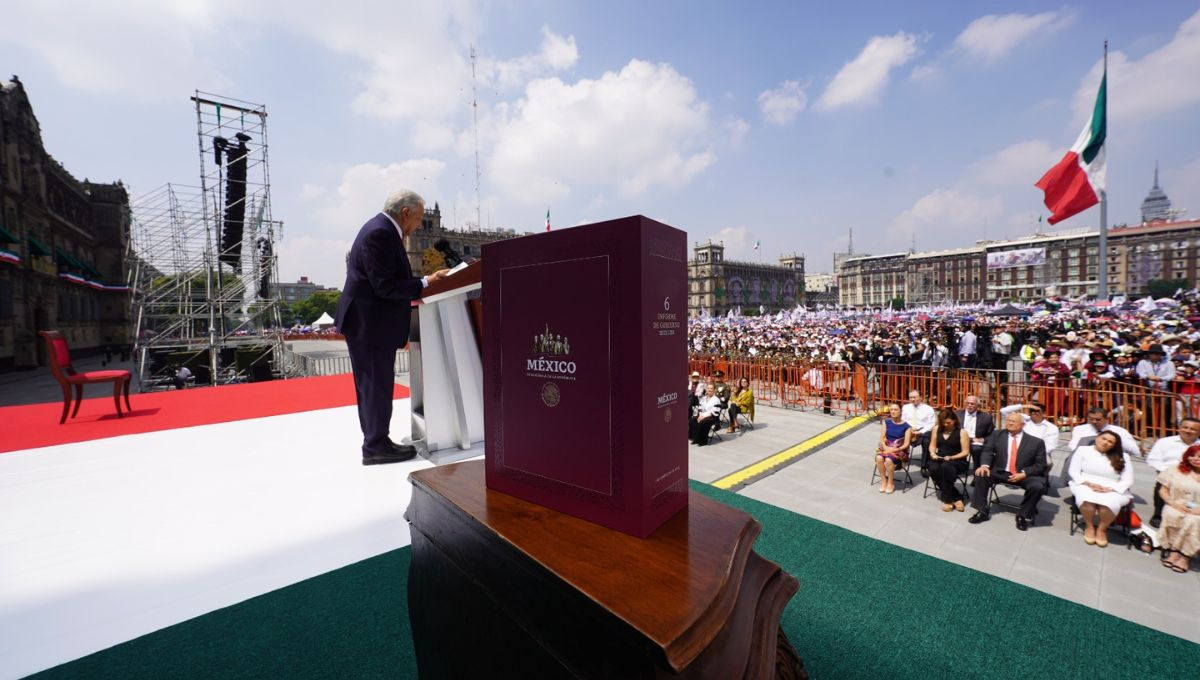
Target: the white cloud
pixel 862 80
pixel 105 47
pixel 1163 81
pixel 925 73
pixel 737 130
pixel 944 218
pixel 992 37
pixel 640 128
pixel 782 104
pixel 557 53
pixel 1020 164
pixel 363 188
pixel 737 242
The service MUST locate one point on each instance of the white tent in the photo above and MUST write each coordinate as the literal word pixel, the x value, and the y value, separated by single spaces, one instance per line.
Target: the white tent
pixel 324 322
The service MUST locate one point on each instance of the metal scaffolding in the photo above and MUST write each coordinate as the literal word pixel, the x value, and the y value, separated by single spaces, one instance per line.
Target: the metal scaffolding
pixel 204 259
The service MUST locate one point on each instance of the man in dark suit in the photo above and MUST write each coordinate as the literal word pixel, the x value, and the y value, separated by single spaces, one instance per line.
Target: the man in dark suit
pixel 374 315
pixel 979 426
pixel 1010 456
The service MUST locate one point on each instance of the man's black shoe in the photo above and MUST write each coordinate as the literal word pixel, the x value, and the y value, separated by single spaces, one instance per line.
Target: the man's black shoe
pixel 979 517
pixel 403 448
pixel 1022 524
pixel 1155 521
pixel 396 455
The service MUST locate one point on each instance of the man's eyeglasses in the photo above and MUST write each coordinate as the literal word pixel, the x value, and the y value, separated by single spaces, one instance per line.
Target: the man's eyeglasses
pixel 1035 411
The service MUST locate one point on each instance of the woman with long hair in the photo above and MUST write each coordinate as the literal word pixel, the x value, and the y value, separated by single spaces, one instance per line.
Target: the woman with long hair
pixel 742 401
pixel 1101 476
pixel 952 447
pixel 894 439
pixel 1179 533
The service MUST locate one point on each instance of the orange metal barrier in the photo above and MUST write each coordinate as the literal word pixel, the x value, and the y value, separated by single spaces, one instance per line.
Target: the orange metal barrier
pixel 854 389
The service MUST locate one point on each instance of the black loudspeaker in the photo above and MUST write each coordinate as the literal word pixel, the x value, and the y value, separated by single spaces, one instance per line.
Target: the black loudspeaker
pixel 235 200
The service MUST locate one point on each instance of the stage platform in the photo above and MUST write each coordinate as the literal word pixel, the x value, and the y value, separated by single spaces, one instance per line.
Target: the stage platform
pixel 112 538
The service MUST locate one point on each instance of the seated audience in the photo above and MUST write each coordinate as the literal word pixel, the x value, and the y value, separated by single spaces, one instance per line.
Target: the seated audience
pixel 1101 475
pixel 1097 422
pixel 707 418
pixel 1037 425
pixel 741 402
pixel 979 425
pixel 696 390
pixel 951 449
pixel 1010 456
pixel 921 417
pixel 1180 531
pixel 1165 454
pixel 895 437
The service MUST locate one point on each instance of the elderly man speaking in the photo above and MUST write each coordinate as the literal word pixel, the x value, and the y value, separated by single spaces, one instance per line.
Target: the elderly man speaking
pixel 373 313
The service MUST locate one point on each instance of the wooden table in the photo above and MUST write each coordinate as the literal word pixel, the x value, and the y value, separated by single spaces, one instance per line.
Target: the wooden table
pixel 500 587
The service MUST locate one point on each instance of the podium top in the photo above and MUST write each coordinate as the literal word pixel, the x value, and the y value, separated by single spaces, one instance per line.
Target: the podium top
pixel 677 587
pixel 458 283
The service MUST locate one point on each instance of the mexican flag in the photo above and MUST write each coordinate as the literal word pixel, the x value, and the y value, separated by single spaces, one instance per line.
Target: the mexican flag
pixel 1077 181
pixel 547 219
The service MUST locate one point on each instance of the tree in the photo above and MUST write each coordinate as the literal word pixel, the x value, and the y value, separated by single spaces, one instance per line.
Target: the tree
pixel 312 307
pixel 1161 288
pixel 431 261
pixel 896 303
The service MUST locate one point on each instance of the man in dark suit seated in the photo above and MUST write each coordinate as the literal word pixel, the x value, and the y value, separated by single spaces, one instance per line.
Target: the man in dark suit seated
pixel 374 314
pixel 979 426
pixel 1010 456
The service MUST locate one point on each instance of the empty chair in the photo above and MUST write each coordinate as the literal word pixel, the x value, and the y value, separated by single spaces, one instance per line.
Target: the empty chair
pixel 61 369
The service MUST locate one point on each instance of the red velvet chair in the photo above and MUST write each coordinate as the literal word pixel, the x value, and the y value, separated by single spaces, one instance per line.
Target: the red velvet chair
pixel 60 367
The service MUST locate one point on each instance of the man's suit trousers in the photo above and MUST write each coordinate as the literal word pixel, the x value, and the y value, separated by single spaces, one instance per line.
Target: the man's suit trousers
pixel 374 369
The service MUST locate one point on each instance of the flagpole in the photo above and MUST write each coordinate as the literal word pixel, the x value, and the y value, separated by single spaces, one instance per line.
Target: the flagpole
pixel 1104 199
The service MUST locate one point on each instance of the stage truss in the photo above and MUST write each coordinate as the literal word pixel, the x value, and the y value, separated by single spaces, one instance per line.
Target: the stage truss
pixel 204 259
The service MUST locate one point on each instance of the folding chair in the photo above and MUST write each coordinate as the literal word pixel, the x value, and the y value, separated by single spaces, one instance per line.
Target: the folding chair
pixel 962 478
pixel 899 468
pixel 994 498
pixel 1124 520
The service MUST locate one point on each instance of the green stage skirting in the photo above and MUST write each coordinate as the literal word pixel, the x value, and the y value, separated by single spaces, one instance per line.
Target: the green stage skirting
pixel 866 609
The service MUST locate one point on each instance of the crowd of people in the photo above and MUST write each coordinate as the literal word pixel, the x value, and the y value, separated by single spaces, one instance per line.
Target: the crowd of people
pixel 963 452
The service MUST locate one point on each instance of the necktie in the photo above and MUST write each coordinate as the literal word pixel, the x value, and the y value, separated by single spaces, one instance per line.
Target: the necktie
pixel 1012 456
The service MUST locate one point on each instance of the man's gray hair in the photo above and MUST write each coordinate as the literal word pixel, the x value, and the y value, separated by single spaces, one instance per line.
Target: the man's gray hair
pixel 403 198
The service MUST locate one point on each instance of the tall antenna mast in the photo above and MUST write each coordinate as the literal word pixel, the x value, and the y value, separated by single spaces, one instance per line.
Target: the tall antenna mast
pixel 475 113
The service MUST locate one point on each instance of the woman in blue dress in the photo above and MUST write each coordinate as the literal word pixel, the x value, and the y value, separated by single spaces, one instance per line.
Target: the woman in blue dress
pixel 894 439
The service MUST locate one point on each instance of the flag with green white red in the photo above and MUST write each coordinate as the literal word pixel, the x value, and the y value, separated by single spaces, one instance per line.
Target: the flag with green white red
pixel 1076 183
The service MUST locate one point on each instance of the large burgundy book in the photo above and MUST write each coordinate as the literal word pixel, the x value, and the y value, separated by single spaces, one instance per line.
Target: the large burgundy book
pixel 584 359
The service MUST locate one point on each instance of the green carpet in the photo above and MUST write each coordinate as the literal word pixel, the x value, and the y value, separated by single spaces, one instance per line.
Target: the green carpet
pixel 866 609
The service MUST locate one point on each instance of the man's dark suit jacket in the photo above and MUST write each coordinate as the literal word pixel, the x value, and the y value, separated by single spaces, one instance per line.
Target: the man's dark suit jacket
pixel 374 307
pixel 1031 454
pixel 984 425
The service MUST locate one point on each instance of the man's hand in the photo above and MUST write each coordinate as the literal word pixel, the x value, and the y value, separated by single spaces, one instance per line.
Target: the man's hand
pixel 438 275
pixel 983 471
pixel 1016 477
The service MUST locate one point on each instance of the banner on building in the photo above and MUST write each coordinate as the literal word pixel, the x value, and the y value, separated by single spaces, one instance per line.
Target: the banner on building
pixel 1028 257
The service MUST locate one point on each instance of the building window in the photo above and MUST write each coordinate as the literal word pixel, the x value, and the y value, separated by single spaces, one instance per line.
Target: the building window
pixel 1073 271
pixel 6 304
pixel 1179 275
pixel 1179 264
pixel 1073 252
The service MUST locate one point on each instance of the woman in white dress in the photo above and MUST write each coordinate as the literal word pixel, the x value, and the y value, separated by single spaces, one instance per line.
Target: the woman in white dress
pixel 1101 476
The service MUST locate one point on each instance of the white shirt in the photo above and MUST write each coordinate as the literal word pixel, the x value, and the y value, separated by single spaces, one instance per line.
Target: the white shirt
pixel 969 423
pixel 921 418
pixel 1128 443
pixel 709 406
pixel 1045 430
pixel 1167 452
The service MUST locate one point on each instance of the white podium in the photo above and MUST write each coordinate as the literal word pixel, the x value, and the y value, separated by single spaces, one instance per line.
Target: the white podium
pixel 446 368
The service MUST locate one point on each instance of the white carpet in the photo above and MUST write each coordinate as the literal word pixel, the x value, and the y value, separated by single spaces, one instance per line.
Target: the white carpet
pixel 105 541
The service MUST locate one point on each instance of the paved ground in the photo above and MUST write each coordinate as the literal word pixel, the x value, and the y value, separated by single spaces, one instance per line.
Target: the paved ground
pixel 832 485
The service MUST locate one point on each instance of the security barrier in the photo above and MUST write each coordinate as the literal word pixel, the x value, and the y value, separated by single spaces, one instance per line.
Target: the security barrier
pixel 853 389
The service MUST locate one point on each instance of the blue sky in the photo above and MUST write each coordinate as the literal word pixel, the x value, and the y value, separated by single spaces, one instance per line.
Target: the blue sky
pixel 784 123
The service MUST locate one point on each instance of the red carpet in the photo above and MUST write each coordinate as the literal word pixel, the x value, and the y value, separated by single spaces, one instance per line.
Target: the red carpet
pixel 34 425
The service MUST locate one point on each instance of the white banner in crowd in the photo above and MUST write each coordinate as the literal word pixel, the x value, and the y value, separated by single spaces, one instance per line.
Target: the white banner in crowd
pixel 1028 257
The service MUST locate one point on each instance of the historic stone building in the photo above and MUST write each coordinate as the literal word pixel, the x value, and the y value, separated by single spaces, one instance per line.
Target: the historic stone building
pixel 1158 250
pixel 717 285
pixel 941 275
pixel 300 290
pixel 62 246
pixel 1156 206
pixel 465 242
pixel 872 280
pixel 1043 265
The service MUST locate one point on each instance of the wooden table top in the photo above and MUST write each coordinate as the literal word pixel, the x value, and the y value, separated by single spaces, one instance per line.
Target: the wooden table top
pixel 676 587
